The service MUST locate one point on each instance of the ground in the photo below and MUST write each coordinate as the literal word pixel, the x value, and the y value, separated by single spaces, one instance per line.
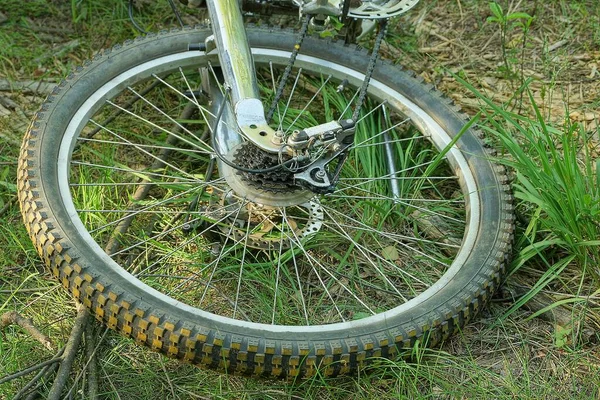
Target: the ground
pixel 550 60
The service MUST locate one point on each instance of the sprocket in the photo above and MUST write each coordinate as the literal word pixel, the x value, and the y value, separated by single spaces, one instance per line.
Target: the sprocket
pixel 251 157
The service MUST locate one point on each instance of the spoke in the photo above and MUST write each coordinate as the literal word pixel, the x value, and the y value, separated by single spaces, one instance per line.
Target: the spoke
pixel 216 261
pixel 403 178
pixel 402 171
pixel 386 142
pixel 349 105
pixel 127 105
pixel 389 155
pixel 182 94
pixel 159 235
pixel 310 261
pixel 141 211
pixel 308 104
pixel 407 203
pixel 206 267
pixel 357 145
pixel 274 88
pixel 152 124
pixel 299 282
pixel 290 98
pixel 180 126
pixel 371 112
pixel 145 146
pixel 364 250
pixel 277 275
pixel 155 157
pixel 224 93
pixel 138 173
pixel 385 235
pixel 187 83
pixel 155 183
pixel 239 283
pixel 367 228
pixel 222 252
pixel 405 199
pixel 185 243
pixel 163 201
pixel 203 111
pixel 317 262
pixel 378 257
pixel 395 237
pixel 131 211
pixel 214 74
pixel 366 181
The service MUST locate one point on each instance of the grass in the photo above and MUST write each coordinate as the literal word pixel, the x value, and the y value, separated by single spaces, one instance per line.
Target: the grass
pixel 504 354
pixel 557 176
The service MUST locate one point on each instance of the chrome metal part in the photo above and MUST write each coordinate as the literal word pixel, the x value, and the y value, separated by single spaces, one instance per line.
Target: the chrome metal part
pixel 379 9
pixel 326 132
pixel 258 195
pixel 250 114
pixel 229 141
pixel 391 160
pixel 324 7
pixel 210 44
pixel 360 9
pixel 265 223
pixel 227 135
pixel 233 50
pixel 315 176
pixel 238 70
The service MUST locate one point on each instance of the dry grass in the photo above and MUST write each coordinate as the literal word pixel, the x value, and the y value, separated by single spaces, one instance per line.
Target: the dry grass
pixel 518 357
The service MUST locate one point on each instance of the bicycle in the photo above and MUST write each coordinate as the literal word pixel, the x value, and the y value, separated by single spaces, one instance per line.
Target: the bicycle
pixel 262 201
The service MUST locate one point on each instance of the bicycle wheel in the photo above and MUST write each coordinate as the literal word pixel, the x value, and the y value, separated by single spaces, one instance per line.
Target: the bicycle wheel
pixel 121 195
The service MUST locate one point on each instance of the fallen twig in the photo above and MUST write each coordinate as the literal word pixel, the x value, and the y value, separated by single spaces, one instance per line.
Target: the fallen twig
pixel 92 358
pixel 27 86
pixel 14 318
pixel 69 354
pixel 37 381
pixel 28 290
pixel 8 204
pixel 92 366
pixel 60 51
pixel 556 45
pixel 29 370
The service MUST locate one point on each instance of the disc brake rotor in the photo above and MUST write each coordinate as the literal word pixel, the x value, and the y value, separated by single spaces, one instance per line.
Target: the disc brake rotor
pixel 265 227
pixel 376 9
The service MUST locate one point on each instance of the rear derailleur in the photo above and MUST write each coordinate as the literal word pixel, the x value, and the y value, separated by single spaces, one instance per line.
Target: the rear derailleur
pixel 332 140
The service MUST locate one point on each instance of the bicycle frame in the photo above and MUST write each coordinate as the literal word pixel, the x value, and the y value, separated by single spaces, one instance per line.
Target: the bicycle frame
pixel 240 105
pixel 230 42
pixel 238 70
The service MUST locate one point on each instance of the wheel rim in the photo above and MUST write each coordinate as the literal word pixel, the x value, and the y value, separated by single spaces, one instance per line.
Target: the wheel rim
pixel 344 275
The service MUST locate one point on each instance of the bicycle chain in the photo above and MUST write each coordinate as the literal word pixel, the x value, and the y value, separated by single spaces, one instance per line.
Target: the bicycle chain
pixel 370 69
pixel 277 181
pixel 288 67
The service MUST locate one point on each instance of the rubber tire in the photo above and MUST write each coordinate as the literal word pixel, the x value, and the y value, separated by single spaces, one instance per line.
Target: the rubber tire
pixel 177 333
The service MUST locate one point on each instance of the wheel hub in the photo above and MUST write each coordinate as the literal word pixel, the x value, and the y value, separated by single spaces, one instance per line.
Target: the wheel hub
pixel 277 181
pixel 274 189
pixel 265 227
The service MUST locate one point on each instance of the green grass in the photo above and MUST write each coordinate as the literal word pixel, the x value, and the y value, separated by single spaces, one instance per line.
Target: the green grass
pixel 502 355
pixel 558 187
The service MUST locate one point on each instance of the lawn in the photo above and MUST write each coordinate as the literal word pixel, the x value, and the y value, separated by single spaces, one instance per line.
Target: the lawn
pixel 526 70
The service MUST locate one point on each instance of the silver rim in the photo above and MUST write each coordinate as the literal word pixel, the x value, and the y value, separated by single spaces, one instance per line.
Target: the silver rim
pixel 308 273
